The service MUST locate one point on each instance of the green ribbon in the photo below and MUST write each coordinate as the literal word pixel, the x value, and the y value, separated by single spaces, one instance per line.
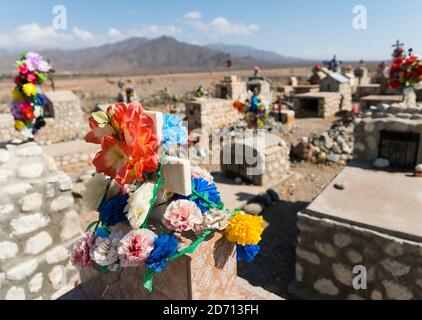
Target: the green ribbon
pixel 148 279
pixel 91 225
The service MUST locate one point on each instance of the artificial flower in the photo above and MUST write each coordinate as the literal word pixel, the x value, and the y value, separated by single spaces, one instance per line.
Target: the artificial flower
pixel 198 172
pixel 32 77
pixel 139 205
pixel 247 253
pixel 135 247
pixel 215 219
pixel 205 193
pixel 26 111
pixel 105 250
pixel 17 95
pixel 29 89
pixel 19 125
pixel 244 229
pixel 97 133
pixel 183 215
pixel 164 248
pixel 23 69
pixel 173 131
pixel 95 189
pixel 112 210
pixel 35 62
pixel 80 256
pixel 102 232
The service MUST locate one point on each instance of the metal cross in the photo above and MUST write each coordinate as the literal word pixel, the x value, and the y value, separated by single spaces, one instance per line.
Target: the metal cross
pixel 398 45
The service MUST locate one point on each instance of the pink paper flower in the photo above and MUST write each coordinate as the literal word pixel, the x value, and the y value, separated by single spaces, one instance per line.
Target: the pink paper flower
pixel 81 251
pixel 198 172
pixel 135 248
pixel 183 215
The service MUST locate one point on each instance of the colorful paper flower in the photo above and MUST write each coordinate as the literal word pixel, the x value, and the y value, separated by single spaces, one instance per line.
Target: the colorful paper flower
pixel 215 219
pixel 204 194
pixel 244 229
pixel 173 131
pixel 19 125
pixel 247 253
pixel 135 247
pixel 183 215
pixel 95 189
pixel 17 95
pixel 35 62
pixel 105 250
pixel 139 205
pixel 164 248
pixel 29 89
pixel 97 133
pixel 198 172
pixel 80 256
pixel 112 210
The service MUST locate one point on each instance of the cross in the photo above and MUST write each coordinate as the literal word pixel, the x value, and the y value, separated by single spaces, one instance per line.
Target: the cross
pixel 176 171
pixel 398 45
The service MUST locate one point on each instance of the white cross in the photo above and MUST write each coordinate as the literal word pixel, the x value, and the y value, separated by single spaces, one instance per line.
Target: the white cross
pixel 176 171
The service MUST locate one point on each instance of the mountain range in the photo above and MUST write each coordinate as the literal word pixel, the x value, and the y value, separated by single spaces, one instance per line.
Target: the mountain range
pixel 154 56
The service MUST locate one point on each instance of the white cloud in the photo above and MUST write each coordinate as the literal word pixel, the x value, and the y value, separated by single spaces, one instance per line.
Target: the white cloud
pixel 219 26
pixel 82 34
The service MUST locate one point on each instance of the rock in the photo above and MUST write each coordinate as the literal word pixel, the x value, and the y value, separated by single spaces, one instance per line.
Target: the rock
pixel 342 240
pixel 62 203
pixel 2 279
pixel 22 271
pixel 394 249
pixel 336 149
pixel 56 255
pixel 31 202
pixel 238 180
pixel 35 285
pixel 326 249
pixel 381 163
pixel 4 156
pixel 343 274
pixel 38 243
pixel 57 277
pixel 4 175
pixel 8 250
pixel 308 256
pixel 253 208
pixel 396 291
pixel 85 177
pixel 18 189
pixel 376 295
pixel 333 157
pixel 322 157
pixel 6 209
pixel 15 293
pixel 29 223
pixel 354 257
pixel 340 186
pixel 299 272
pixel 326 286
pixel 395 268
pixel 274 195
pixel 354 297
pixel 65 183
pixel 30 171
pixel 78 190
pixel 71 226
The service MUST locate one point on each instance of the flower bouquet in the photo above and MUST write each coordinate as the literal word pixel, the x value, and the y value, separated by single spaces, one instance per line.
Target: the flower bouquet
pixel 256 112
pixel 128 186
pixel 200 91
pixel 405 74
pixel 28 102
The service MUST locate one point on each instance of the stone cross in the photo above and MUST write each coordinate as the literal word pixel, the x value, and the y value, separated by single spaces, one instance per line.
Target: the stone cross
pixel 176 171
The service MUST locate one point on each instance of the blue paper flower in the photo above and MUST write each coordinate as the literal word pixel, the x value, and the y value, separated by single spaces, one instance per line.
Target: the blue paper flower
pixel 203 189
pixel 164 248
pixel 102 233
pixel 111 211
pixel 173 131
pixel 247 253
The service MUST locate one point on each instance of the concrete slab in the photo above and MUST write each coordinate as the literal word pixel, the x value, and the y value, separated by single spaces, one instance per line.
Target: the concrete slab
pixel 386 98
pixel 390 202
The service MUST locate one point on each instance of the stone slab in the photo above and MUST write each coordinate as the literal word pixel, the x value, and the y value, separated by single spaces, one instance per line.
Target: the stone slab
pixel 390 202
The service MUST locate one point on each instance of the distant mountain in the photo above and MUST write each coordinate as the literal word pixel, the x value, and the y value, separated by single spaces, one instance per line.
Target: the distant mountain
pixel 249 52
pixel 144 56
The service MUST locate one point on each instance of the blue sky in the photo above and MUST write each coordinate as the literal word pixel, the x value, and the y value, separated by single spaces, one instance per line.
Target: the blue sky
pixel 302 28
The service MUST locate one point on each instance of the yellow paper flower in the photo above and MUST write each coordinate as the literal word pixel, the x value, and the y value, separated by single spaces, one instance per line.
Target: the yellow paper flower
pixel 244 229
pixel 19 125
pixel 17 95
pixel 29 89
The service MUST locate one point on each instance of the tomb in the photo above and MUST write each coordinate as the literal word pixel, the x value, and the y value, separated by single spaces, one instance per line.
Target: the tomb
pixel 390 132
pixel 231 88
pixel 258 162
pixel 318 74
pixel 262 86
pixel 336 82
pixel 64 118
pixel 210 113
pixel 317 104
pixel 39 224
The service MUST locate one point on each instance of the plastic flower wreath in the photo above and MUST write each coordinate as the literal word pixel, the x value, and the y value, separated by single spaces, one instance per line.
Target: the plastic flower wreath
pixel 28 102
pixel 126 189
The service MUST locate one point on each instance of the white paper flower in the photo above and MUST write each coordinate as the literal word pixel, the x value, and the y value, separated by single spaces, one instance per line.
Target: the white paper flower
pixel 216 219
pixel 418 86
pixel 136 247
pixel 95 189
pixel 183 215
pixel 139 204
pixel 105 251
pixel 198 172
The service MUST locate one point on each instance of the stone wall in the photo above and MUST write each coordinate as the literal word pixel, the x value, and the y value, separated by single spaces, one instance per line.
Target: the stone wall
pixel 328 103
pixel 208 114
pixel 231 88
pixel 396 117
pixel 328 251
pixel 67 124
pixel 37 225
